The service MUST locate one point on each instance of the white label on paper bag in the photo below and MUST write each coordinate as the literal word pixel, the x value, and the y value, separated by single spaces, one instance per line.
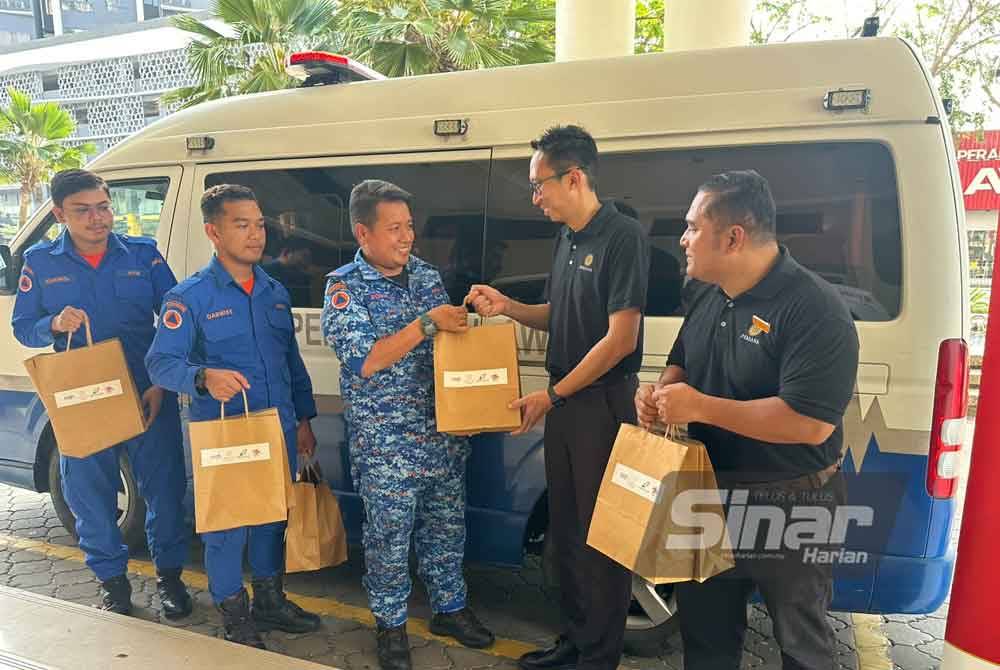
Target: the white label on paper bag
pixel 83 394
pixel 468 378
pixel 243 453
pixel 636 482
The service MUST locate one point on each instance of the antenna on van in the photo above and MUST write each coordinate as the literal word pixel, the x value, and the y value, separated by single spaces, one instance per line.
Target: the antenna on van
pixel 870 28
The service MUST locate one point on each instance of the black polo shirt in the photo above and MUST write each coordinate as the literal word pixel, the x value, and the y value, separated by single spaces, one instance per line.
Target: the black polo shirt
pixel 790 336
pixel 596 272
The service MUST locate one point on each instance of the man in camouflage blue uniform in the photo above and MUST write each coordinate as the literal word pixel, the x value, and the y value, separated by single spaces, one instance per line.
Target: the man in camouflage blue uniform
pixel 379 316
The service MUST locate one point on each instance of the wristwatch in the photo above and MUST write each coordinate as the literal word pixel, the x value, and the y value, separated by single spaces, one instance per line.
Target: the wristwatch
pixel 199 381
pixel 428 326
pixel 556 399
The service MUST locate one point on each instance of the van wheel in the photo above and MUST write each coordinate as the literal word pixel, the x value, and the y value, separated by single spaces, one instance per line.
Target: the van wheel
pixel 652 616
pixel 131 506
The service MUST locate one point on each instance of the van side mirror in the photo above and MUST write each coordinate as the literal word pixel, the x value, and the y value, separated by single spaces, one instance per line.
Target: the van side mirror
pixel 8 271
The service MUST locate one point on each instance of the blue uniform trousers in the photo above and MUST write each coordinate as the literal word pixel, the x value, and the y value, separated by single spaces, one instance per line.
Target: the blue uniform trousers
pixel 91 485
pixel 412 485
pixel 264 545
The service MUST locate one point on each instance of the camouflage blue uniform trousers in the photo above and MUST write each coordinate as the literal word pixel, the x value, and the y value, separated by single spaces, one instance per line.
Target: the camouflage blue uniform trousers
pixel 410 477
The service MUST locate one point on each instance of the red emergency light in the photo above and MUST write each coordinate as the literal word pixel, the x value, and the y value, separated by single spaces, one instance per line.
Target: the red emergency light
pixel 316 68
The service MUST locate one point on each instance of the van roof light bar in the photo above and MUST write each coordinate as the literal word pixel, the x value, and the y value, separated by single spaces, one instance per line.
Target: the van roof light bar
pixel 318 68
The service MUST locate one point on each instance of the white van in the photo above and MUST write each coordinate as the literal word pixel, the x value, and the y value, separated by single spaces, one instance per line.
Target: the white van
pixel 850 134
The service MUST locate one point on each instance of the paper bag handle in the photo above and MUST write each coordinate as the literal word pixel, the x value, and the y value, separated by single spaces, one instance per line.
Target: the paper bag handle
pixel 246 407
pixel 670 431
pixel 86 326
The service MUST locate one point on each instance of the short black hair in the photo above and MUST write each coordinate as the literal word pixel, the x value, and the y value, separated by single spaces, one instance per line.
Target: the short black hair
pixel 366 196
pixel 214 198
pixel 565 147
pixel 69 182
pixel 743 198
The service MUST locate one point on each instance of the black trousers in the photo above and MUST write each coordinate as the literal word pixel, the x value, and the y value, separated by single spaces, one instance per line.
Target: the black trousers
pixel 596 591
pixel 796 590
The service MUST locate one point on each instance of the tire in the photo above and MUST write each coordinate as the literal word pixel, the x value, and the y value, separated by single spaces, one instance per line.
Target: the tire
pixel 652 616
pixel 131 506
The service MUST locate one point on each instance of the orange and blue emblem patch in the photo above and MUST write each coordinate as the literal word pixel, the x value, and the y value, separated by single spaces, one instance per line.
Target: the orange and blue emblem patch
pixel 25 283
pixel 172 319
pixel 340 300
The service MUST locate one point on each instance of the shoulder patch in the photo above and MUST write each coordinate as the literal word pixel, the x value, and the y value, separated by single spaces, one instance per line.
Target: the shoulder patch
pixel 172 319
pixel 173 304
pixel 157 261
pixel 340 300
pixel 25 284
pixel 336 286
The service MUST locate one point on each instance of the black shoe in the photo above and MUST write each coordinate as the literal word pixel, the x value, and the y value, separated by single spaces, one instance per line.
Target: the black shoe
pixel 116 595
pixel 393 648
pixel 562 656
pixel 464 627
pixel 273 611
pixel 174 597
pixel 239 625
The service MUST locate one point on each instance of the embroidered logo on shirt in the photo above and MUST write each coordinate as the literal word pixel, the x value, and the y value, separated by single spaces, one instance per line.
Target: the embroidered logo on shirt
pixel 758 326
pixel 172 319
pixel 177 305
pixel 218 314
pixel 339 286
pixel 588 261
pixel 340 300
pixel 280 305
pixel 57 280
pixel 133 273
pixel 25 284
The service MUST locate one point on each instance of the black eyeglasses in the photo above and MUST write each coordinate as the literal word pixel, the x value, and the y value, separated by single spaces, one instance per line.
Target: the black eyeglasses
pixel 536 186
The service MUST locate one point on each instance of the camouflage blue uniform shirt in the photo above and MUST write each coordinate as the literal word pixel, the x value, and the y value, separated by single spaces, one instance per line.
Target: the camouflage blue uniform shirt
pixel 362 307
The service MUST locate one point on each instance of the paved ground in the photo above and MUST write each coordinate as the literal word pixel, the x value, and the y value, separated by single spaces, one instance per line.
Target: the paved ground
pixel 37 554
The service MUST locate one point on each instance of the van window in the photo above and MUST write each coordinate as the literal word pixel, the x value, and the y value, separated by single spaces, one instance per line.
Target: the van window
pixel 308 223
pixel 136 203
pixel 837 212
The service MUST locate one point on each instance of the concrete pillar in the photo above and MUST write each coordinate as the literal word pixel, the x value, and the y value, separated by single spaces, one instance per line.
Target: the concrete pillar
pixel 594 29
pixel 140 12
pixel 697 24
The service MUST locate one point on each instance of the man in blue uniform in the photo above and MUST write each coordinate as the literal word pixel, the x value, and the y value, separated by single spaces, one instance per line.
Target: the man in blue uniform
pixel 116 282
pixel 226 329
pixel 379 315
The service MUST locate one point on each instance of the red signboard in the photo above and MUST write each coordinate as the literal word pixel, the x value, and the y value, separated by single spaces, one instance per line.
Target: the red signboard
pixel 979 167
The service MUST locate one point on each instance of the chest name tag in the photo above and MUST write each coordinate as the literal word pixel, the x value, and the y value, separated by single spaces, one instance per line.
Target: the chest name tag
pixel 638 483
pixel 243 453
pixel 469 378
pixel 90 393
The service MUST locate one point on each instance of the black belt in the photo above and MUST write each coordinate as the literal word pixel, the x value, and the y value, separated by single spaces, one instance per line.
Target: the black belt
pixel 807 482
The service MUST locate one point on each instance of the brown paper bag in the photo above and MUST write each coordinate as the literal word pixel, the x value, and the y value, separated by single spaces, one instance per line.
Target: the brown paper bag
pixel 79 385
pixel 476 377
pixel 315 538
pixel 241 473
pixel 633 523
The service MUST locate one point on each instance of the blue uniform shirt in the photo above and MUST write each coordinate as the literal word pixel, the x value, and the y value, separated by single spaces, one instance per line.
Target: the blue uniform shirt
pixel 361 307
pixel 120 296
pixel 208 321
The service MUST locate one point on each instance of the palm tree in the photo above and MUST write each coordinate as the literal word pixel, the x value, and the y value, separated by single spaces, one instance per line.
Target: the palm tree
pixel 33 145
pixel 248 55
pixel 409 37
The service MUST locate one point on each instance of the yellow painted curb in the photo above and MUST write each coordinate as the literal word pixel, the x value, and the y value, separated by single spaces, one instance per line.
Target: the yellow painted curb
pixel 503 648
pixel 871 643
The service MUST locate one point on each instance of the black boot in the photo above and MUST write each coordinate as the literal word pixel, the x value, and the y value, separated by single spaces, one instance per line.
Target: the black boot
pixel 393 648
pixel 238 623
pixel 116 595
pixel 272 610
pixel 174 597
pixel 464 627
pixel 563 655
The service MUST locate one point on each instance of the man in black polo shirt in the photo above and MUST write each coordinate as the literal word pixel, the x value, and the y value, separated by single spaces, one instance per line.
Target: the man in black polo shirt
pixel 596 295
pixel 762 371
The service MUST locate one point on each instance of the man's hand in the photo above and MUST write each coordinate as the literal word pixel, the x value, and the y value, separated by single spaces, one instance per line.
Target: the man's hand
pixel 678 403
pixel 305 440
pixel 68 320
pixel 152 400
pixel 450 318
pixel 487 301
pixel 645 406
pixel 224 384
pixel 533 407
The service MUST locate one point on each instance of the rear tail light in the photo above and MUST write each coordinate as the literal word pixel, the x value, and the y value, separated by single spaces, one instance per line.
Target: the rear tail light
pixel 951 402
